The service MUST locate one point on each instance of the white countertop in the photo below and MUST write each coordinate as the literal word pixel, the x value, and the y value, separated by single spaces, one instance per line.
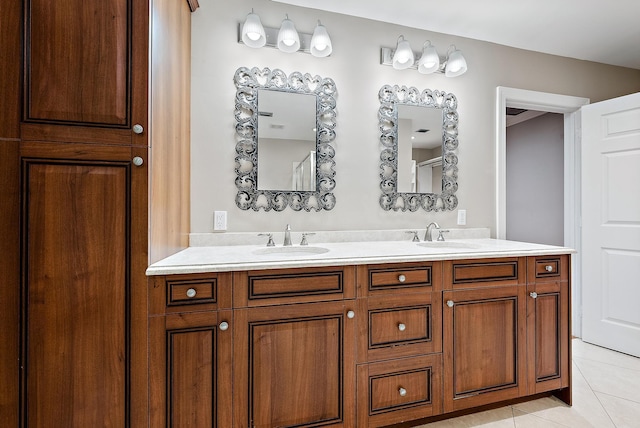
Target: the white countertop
pixel 226 258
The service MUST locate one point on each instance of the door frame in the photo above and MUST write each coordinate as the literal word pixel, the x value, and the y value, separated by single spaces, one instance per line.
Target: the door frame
pixel 569 106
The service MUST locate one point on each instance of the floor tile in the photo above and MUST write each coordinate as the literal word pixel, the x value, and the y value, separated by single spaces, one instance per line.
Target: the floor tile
pixel 588 351
pixel 525 420
pixel 613 380
pixel 498 418
pixel 625 413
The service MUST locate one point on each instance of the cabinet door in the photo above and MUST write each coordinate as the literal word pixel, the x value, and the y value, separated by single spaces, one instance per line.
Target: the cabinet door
pixel 548 336
pixel 190 364
pixel 77 297
pixel 484 346
pixel 85 64
pixel 294 365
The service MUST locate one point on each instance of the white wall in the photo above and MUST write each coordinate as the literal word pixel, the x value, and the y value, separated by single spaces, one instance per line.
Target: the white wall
pixel 535 180
pixel 354 66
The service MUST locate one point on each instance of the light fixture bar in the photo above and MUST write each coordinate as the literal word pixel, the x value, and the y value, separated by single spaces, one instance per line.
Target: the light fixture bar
pixel 271 35
pixel 386 58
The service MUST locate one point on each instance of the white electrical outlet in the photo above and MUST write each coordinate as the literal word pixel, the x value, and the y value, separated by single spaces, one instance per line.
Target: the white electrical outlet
pixel 219 220
pixel 462 217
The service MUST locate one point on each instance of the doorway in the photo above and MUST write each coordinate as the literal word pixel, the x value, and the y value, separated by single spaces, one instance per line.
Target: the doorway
pixel 569 107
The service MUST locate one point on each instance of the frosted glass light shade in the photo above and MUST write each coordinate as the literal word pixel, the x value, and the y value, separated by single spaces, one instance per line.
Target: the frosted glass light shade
pixel 429 62
pixel 320 42
pixel 456 64
pixel 403 57
pixel 253 32
pixel 288 38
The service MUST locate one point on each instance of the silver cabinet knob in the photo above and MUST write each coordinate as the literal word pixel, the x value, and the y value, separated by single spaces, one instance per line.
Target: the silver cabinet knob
pixel 138 161
pixel 402 278
pixel 548 268
pixel 224 326
pixel 402 327
pixel 138 129
pixel 402 392
pixel 450 303
pixel 191 292
pixel 533 294
pixel 351 314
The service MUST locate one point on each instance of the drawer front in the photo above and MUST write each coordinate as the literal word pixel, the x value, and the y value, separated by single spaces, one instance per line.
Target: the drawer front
pixel 397 326
pixel 391 279
pixel 483 273
pixel 191 292
pixel 284 286
pixel 548 268
pixel 397 390
pixel 399 278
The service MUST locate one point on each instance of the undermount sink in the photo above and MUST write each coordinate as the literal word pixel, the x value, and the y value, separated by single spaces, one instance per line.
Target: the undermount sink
pixel 448 245
pixel 291 251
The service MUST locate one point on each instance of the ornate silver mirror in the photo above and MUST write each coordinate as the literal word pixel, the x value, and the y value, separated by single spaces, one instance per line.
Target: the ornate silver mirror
pixel 419 137
pixel 284 130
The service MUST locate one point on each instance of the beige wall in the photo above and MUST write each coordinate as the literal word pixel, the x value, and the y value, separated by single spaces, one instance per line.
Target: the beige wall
pixel 354 66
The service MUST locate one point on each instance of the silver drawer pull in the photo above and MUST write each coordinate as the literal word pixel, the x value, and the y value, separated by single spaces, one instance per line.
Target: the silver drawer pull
pixel 548 268
pixel 533 294
pixel 402 392
pixel 402 327
pixel 402 278
pixel 351 314
pixel 191 292
pixel 450 303
pixel 224 326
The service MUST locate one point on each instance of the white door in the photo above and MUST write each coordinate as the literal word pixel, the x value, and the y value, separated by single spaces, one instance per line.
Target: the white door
pixel 611 224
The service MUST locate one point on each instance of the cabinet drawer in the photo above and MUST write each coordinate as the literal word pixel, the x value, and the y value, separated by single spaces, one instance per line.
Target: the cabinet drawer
pixel 191 292
pixel 548 268
pixel 399 390
pixel 389 327
pixel 282 286
pixel 485 272
pixel 395 278
pixel 399 326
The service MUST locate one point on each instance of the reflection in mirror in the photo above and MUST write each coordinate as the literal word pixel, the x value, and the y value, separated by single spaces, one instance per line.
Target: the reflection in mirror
pixel 419 135
pixel 286 141
pixel 419 149
pixel 289 122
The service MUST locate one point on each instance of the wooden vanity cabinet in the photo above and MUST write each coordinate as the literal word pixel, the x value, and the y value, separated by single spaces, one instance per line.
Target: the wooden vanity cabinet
pixel 294 360
pixel 484 319
pixel 548 328
pixel 190 363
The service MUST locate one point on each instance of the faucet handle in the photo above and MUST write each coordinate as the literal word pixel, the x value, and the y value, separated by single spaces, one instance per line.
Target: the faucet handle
pixel 415 235
pixel 304 237
pixel 440 232
pixel 270 243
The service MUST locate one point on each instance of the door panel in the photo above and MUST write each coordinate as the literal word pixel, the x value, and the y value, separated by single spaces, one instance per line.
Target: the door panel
pixel 76 293
pixel 611 223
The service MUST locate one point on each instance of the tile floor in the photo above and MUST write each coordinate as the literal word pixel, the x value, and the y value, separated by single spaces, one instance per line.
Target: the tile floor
pixel 606 394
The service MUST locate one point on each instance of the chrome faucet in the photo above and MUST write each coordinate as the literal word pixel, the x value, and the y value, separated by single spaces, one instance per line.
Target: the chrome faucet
pixel 287 236
pixel 427 235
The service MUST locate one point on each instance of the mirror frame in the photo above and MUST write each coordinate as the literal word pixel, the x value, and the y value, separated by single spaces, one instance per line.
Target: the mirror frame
pixel 248 82
pixel 390 98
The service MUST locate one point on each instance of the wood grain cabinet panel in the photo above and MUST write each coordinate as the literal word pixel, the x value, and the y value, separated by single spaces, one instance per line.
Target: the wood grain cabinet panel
pixel 295 366
pixel 77 293
pixel 190 367
pixel 85 64
pixel 485 346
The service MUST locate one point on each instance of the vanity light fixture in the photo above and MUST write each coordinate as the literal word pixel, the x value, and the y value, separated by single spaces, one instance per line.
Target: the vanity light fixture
pixel 253 32
pixel 402 58
pixel 286 38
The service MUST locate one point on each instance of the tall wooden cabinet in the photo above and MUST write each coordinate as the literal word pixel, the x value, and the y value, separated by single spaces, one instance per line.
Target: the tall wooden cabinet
pixel 75 137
